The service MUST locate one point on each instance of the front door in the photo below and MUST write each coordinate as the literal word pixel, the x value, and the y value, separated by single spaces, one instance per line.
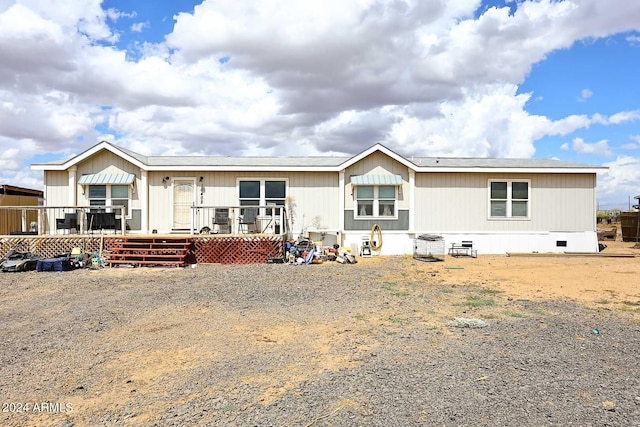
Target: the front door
pixel 183 199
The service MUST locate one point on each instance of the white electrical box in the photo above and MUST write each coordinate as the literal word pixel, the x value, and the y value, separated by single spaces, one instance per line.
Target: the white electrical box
pixel 365 247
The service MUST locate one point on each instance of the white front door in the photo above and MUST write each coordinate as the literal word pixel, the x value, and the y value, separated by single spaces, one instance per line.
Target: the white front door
pixel 183 198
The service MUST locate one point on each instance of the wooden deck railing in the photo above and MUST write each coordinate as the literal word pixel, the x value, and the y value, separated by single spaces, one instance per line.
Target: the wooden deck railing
pixel 265 219
pixel 64 220
pixel 60 220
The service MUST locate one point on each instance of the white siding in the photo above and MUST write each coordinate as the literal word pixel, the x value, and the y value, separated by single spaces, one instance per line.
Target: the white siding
pixel 447 202
pixel 315 195
pixel 56 190
pixel 107 162
pixel 161 198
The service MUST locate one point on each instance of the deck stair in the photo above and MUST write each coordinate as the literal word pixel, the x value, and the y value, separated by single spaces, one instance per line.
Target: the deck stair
pixel 148 251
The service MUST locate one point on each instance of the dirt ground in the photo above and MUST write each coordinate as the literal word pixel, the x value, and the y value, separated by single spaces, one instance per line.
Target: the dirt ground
pixel 316 345
pixel 601 279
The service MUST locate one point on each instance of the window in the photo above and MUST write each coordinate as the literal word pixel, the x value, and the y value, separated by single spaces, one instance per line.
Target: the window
pixel 275 194
pixel 120 197
pixel 263 192
pixel 364 196
pixel 374 201
pixel 249 193
pixel 386 201
pixel 509 199
pixel 109 195
pixel 97 195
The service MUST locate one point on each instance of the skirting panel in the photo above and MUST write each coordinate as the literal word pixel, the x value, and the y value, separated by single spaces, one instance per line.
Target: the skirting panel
pixel 222 250
pixel 236 250
pixel 49 247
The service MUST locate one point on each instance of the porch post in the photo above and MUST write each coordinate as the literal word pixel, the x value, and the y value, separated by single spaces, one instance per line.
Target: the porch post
pixel 73 187
pixel 143 191
pixel 40 222
pixel 341 202
pixel 412 200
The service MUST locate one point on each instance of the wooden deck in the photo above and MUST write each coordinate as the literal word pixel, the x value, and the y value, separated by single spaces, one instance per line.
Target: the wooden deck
pixel 155 249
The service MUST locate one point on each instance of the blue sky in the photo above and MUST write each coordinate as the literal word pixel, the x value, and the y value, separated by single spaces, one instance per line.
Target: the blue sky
pixel 592 77
pixel 554 79
pixel 146 21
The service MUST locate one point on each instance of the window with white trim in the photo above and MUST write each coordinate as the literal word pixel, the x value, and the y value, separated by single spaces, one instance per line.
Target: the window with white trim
pixel 509 198
pixel 97 195
pixel 255 192
pixel 375 201
pixel 110 195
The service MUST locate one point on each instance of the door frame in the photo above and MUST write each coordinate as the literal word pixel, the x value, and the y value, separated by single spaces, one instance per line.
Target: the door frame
pixel 182 179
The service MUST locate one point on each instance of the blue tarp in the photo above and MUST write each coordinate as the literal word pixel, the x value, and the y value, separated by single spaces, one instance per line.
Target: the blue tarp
pixel 54 264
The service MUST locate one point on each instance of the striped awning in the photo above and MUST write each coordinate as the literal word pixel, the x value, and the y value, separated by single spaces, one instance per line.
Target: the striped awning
pixel 107 178
pixel 376 179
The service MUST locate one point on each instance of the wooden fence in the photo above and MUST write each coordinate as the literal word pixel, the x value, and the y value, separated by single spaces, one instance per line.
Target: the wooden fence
pixel 12 220
pixel 629 224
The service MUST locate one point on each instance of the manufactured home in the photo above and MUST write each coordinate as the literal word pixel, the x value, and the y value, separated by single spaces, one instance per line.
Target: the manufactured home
pixel 501 205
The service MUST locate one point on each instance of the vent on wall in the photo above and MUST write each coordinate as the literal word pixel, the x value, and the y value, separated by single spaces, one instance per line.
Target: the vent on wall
pixel 561 243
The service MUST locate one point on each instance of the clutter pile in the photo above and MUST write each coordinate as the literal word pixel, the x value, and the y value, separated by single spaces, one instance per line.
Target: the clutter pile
pixel 306 251
pixel 345 256
pixel 18 259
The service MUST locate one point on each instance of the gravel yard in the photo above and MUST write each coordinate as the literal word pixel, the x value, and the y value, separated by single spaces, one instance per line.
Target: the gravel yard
pixel 322 345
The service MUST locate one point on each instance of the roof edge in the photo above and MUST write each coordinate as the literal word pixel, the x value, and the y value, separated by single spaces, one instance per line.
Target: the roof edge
pixel 374 148
pixel 102 145
pixel 139 161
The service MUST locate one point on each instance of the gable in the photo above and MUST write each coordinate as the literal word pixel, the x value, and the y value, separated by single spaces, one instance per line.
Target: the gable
pixel 106 162
pixel 87 155
pixel 373 150
pixel 379 164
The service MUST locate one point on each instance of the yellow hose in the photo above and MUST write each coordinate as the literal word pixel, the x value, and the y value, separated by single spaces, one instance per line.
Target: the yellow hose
pixel 378 243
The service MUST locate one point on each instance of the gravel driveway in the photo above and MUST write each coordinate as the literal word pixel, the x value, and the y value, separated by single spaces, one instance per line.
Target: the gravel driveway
pixel 319 345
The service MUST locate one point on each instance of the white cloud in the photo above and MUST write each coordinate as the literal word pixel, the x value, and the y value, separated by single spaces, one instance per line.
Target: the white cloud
pixel 572 123
pixel 58 116
pixel 115 14
pixel 600 148
pixel 625 116
pixel 569 124
pixel 635 145
pixel 620 182
pixel 630 146
pixel 138 27
pixel 28 42
pixel 489 124
pixel 584 95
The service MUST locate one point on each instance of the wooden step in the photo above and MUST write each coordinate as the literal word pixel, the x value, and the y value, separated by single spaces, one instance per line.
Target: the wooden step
pixel 143 262
pixel 149 251
pixel 128 256
pixel 143 244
